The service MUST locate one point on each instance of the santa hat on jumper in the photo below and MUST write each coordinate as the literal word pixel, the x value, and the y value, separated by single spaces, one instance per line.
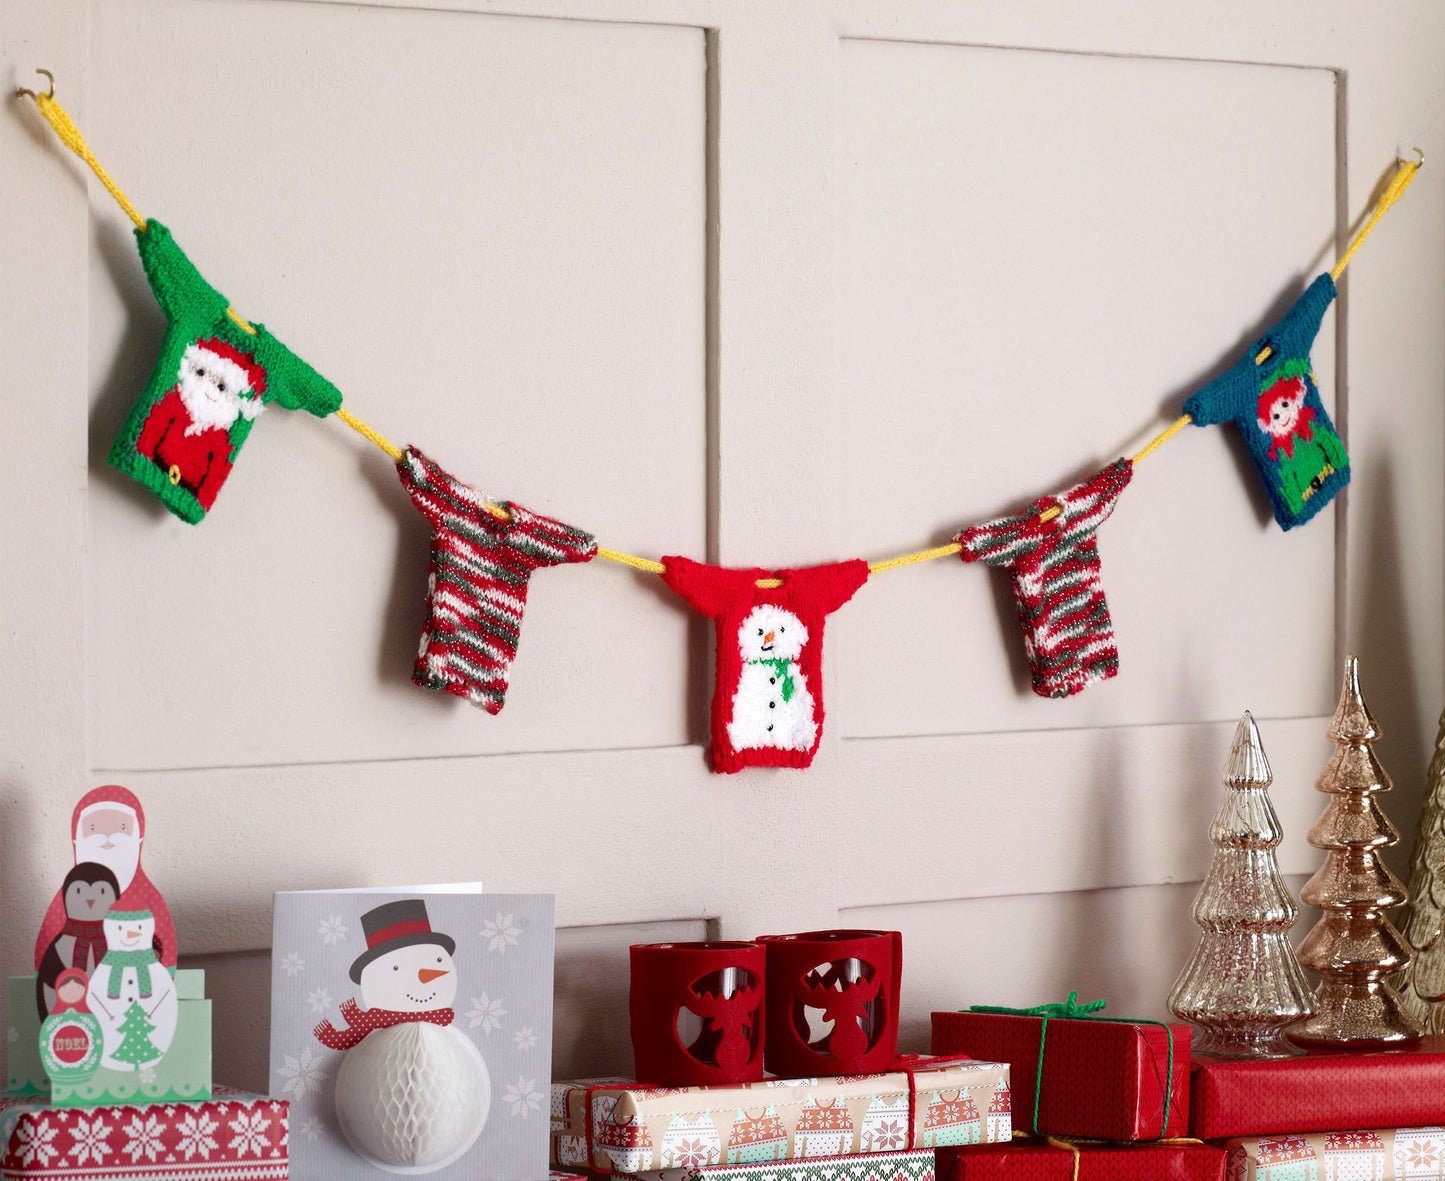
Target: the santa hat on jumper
pixel 238 369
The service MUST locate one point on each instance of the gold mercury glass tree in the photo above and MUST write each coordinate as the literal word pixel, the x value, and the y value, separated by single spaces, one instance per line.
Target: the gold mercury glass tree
pixel 1243 985
pixel 1422 985
pixel 1354 947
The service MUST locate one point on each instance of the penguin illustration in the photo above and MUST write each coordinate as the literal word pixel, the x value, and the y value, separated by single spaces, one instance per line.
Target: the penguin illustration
pixel 90 890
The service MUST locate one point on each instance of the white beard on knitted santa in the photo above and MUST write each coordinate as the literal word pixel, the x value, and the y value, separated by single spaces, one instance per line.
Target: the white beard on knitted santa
pixel 217 386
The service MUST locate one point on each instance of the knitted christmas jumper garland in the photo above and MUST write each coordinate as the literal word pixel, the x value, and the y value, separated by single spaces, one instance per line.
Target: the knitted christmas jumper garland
pixel 210 381
pixel 767 704
pixel 1068 635
pixel 477 585
pixel 1270 394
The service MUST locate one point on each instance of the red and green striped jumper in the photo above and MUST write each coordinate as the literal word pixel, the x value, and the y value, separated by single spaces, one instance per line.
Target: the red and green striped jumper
pixel 477 587
pixel 1068 634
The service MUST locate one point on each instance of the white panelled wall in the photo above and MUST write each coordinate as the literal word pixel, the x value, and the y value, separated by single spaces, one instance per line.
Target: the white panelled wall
pixel 761 284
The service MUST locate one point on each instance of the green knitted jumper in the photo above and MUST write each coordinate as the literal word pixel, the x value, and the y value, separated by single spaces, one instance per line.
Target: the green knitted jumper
pixel 211 379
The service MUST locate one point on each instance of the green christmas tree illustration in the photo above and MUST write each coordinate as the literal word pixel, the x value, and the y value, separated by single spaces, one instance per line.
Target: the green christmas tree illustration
pixel 137 1047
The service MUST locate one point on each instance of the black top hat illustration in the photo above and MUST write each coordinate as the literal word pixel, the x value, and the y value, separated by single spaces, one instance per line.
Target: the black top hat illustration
pixel 394 925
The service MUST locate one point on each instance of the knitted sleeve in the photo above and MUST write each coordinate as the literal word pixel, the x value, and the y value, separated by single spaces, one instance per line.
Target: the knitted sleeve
pixel 540 541
pixel 1004 540
pixel 176 284
pixel 709 589
pixel 1294 335
pixel 291 381
pixel 830 586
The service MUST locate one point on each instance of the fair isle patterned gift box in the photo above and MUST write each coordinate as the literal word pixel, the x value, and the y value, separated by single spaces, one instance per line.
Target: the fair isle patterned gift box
pixel 613 1127
pixel 232 1137
pixel 1405 1154
pixel 880 1166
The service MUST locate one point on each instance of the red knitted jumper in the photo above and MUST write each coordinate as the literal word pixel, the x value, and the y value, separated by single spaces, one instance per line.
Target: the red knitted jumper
pixel 767 705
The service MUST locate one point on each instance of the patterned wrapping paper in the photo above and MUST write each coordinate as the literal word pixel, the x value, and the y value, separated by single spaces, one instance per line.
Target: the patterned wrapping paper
pixel 1399 1154
pixel 231 1137
pixel 1319 1092
pixel 639 1129
pixel 877 1166
pixel 1034 1160
pixel 1104 1080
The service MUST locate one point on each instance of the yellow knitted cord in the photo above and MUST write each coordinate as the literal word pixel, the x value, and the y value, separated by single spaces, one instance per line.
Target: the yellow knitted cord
pixel 70 136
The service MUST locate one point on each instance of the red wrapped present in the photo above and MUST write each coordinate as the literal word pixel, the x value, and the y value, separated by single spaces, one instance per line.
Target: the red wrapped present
pixel 232 1136
pixel 1103 1078
pixel 1323 1091
pixel 1054 1160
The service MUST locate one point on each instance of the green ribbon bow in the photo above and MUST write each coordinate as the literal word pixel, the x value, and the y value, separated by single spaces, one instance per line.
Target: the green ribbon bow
pixel 781 666
pixel 1073 1011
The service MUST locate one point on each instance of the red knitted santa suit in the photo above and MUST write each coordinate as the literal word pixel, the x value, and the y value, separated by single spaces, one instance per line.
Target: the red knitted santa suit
pixel 767 705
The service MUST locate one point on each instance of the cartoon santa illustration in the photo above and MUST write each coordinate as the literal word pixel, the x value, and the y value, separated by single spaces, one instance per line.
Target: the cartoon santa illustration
pixel 108 827
pixel 187 434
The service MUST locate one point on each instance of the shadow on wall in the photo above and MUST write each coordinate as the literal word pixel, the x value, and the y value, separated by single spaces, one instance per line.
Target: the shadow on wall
pixel 1387 664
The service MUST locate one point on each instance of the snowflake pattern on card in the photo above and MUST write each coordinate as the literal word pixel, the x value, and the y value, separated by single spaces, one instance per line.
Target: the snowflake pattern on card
pixel 485 1013
pixel 302 1072
pixel 502 1004
pixel 522 1098
pixel 501 932
pixel 292 964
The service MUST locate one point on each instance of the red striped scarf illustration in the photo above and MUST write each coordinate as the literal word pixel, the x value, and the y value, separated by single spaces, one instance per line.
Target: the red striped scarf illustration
pixel 477 587
pixel 1068 634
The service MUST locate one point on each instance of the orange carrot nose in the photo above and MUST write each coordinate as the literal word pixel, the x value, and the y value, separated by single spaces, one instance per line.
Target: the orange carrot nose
pixel 768 639
pixel 427 975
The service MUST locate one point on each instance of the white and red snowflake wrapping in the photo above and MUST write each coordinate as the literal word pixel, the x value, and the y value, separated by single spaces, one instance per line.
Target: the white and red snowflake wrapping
pixel 477 587
pixel 241 1137
pixel 1054 560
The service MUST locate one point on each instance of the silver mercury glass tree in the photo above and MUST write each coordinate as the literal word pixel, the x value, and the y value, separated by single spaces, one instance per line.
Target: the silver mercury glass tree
pixel 1243 984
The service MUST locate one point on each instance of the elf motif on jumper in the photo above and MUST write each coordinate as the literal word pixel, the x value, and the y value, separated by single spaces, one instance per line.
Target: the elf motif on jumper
pixel 477 586
pixel 211 380
pixel 132 994
pixel 1271 396
pixel 1053 557
pixel 767 706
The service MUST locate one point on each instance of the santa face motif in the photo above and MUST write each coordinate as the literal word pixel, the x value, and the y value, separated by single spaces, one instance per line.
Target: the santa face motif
pixel 109 834
pixel 215 389
pixel 771 633
pixel 130 934
pixel 410 980
pixel 1279 408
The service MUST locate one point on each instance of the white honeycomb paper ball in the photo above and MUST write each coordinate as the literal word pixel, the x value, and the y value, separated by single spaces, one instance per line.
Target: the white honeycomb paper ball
pixel 414 1097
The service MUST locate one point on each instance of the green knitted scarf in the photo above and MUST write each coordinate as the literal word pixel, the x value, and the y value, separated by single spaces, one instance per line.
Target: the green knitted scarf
pixel 119 961
pixel 782 669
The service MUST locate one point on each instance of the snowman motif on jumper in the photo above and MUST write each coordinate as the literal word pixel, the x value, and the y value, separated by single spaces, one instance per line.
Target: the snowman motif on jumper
pixel 772 705
pixel 132 994
pixel 412 1093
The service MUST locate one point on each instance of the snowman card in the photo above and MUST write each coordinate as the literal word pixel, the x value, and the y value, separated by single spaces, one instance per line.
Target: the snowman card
pixel 412 1031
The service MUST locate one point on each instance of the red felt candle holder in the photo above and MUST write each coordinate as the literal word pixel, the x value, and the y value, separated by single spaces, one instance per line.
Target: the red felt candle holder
pixel 832 1002
pixel 697 1012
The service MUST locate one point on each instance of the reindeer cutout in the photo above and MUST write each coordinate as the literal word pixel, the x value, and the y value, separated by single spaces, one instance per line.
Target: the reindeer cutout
pixel 845 992
pixel 730 1035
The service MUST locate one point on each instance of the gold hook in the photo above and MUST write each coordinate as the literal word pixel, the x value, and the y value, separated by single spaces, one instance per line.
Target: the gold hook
pixel 21 90
pixel 1419 164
